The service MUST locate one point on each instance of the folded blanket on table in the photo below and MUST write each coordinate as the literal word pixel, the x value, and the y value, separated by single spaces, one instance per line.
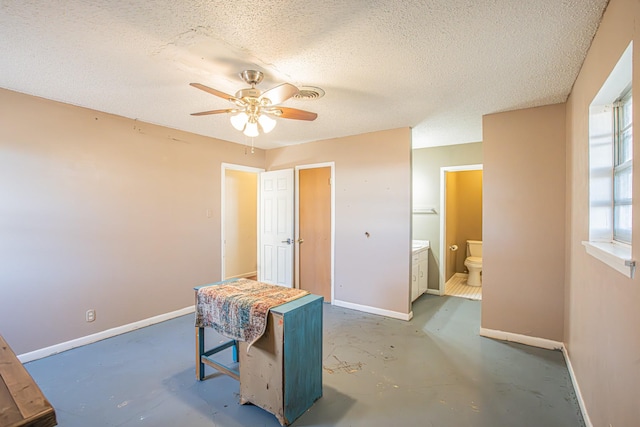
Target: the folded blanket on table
pixel 239 309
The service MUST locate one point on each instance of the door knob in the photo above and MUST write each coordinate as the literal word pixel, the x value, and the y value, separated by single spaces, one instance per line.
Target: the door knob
pixel 301 240
pixel 288 241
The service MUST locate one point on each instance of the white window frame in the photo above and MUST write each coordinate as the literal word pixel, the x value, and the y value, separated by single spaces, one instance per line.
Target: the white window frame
pixel 620 164
pixel 602 141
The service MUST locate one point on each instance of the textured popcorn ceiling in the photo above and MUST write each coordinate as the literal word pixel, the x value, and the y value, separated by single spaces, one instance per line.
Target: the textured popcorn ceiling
pixel 436 66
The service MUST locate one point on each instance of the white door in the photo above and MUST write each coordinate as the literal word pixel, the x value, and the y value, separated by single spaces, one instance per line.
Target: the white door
pixel 276 228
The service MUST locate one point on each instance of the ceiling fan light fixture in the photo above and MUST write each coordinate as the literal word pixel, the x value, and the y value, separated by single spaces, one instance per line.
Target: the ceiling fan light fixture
pixel 256 112
pixel 251 129
pixel 239 121
pixel 266 123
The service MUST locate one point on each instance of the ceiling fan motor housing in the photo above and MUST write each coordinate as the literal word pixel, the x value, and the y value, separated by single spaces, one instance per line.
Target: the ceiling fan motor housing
pixel 252 77
pixel 248 93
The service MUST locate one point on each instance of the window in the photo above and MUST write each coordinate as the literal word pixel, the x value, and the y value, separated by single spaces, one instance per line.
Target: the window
pixel 622 168
pixel 611 169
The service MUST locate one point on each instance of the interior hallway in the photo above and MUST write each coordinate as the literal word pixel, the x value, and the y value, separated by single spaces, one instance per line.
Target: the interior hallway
pixel 432 371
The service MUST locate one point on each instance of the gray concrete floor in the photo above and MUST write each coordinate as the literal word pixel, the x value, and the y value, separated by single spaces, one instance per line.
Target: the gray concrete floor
pixel 432 371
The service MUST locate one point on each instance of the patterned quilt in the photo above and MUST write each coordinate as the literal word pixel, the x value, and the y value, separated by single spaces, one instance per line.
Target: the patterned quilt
pixel 239 309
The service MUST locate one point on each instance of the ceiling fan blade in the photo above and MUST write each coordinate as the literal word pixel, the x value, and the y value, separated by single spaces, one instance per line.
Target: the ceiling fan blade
pixel 280 93
pixel 206 113
pixel 214 92
pixel 293 113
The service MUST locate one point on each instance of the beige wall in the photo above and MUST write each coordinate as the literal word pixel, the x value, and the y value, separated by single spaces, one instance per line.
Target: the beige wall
pixel 108 213
pixel 602 310
pixel 426 164
pixel 373 195
pixel 241 224
pixel 524 222
pixel 101 212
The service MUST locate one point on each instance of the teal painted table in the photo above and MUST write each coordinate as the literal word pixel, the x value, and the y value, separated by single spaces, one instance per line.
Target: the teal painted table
pixel 282 372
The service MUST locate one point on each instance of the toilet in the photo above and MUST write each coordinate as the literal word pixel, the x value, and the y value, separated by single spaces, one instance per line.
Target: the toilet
pixel 474 262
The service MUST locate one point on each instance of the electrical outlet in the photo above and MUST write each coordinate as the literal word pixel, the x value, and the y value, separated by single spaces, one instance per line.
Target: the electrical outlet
pixel 91 315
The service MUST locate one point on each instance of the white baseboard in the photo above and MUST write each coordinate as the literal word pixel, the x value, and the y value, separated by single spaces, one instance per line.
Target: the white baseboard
pixel 68 345
pixel 547 344
pixel 374 310
pixel 576 388
pixel 522 339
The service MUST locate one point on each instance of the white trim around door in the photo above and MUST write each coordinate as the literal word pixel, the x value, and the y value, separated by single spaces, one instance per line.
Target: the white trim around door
pixel 224 167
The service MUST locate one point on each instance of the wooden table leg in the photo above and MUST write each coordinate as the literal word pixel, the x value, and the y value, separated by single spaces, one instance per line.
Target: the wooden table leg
pixel 199 352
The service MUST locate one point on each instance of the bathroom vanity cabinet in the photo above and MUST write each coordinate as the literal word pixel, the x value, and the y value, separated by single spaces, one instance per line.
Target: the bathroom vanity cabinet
pixel 419 268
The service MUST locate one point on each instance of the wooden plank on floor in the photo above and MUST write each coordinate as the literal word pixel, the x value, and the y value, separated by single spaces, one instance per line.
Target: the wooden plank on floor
pixel 22 392
pixel 9 412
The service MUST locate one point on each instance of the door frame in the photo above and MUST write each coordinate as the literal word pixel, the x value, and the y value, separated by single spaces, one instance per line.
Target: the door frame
pixel 296 222
pixel 223 168
pixel 443 218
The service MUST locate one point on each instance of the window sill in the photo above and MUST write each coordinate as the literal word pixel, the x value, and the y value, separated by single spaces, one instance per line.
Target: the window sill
pixel 615 255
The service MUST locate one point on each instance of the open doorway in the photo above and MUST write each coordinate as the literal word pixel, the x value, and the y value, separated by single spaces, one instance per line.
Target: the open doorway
pixel 460 222
pixel 239 223
pixel 314 225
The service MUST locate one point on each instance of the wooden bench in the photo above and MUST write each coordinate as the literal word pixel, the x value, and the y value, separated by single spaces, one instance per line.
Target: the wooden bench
pixel 21 400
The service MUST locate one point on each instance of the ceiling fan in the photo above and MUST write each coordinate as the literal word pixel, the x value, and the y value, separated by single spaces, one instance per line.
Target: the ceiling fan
pixel 255 110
